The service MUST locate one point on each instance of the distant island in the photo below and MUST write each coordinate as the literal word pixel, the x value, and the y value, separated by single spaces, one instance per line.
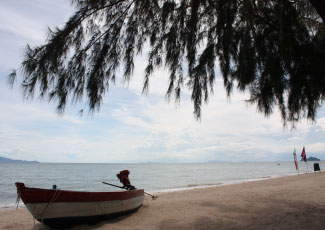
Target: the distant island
pixel 8 160
pixel 312 159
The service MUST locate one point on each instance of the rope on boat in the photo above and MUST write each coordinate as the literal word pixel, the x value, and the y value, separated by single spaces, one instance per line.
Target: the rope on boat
pixel 54 197
pixel 18 198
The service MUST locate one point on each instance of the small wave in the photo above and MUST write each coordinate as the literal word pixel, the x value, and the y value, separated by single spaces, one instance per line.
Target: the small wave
pixel 189 187
pixel 203 185
pixel 10 206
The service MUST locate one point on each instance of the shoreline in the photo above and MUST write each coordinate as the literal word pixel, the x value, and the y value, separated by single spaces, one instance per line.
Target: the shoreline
pixel 13 206
pixel 287 202
pixel 204 175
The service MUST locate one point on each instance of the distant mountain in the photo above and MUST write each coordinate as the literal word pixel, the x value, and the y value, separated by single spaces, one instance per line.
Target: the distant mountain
pixel 312 159
pixel 8 160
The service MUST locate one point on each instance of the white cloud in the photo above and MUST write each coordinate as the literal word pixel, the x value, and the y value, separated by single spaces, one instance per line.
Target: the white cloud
pixel 34 112
pixel 30 20
pixel 321 123
pixel 316 147
pixel 26 22
pixel 21 26
pixel 130 127
pixel 231 127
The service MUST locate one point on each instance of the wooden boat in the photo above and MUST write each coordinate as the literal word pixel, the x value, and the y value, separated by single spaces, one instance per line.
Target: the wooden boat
pixel 55 207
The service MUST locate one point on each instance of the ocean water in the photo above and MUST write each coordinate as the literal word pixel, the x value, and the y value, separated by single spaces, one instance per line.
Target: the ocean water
pixel 154 178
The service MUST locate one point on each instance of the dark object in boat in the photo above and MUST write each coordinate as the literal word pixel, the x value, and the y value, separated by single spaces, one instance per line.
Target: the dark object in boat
pixel 123 176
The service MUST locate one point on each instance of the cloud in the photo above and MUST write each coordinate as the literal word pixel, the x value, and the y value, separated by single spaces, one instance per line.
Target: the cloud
pixel 26 19
pixel 19 112
pixel 20 27
pixel 321 123
pixel 228 128
pixel 131 127
pixel 26 22
pixel 316 147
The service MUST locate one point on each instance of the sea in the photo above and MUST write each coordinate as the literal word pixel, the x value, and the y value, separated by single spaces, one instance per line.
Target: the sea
pixel 154 178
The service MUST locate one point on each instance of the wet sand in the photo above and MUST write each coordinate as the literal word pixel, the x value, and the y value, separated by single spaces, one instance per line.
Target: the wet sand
pixel 292 202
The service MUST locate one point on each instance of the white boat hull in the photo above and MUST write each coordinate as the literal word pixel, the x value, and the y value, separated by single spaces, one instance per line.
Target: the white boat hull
pixel 56 207
pixel 42 211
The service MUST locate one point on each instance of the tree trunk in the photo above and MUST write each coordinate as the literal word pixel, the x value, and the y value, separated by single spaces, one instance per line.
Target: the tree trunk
pixel 319 5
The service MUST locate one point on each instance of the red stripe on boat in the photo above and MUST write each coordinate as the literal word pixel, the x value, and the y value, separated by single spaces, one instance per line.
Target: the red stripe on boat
pixel 37 195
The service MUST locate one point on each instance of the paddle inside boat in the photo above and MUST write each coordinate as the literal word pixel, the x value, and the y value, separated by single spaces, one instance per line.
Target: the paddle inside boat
pixel 55 207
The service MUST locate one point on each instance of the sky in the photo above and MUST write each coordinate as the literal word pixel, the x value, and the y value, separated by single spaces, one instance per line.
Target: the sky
pixel 131 127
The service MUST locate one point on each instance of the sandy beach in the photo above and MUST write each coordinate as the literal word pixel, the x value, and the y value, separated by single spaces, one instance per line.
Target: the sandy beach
pixel 292 202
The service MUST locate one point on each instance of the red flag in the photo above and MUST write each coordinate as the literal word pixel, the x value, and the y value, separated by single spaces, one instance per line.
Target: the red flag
pixel 295 159
pixel 303 154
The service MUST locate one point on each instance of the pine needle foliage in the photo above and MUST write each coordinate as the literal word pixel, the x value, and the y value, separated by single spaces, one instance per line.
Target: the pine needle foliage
pixel 275 50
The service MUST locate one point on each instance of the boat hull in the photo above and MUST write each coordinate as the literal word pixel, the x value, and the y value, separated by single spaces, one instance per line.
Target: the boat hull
pixel 62 207
pixel 77 220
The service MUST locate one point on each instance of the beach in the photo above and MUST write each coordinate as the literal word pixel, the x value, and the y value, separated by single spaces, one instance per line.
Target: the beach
pixel 290 202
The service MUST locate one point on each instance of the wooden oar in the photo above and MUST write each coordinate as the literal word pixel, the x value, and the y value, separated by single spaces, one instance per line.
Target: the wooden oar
pixel 153 197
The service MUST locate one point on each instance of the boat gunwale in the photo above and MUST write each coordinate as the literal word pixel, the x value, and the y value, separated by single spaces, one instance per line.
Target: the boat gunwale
pixel 27 194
